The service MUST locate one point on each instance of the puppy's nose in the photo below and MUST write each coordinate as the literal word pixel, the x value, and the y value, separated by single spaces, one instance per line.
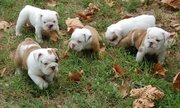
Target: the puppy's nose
pixel 53 67
pixel 151 43
pixel 50 26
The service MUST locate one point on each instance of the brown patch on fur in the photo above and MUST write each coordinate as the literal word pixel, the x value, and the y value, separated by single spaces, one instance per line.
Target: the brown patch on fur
pixel 21 61
pixel 95 38
pixel 134 38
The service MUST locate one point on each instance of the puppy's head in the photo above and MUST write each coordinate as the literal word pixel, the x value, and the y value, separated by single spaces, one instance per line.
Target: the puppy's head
pixel 113 34
pixel 47 60
pixel 80 38
pixel 49 20
pixel 156 38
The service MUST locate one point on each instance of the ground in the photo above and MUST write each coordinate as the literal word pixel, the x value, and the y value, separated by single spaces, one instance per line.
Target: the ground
pixel 97 86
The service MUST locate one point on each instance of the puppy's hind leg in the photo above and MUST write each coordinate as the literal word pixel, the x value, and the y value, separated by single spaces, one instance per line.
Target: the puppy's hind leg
pixel 20 22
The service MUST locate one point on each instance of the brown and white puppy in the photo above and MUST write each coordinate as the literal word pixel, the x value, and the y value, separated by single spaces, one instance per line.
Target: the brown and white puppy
pixel 40 62
pixel 85 38
pixel 151 41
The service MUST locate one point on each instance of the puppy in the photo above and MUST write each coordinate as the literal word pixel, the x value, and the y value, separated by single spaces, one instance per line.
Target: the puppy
pixel 40 62
pixel 41 20
pixel 154 40
pixel 85 38
pixel 116 32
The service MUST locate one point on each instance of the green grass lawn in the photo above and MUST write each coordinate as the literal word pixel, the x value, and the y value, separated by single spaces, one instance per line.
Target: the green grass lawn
pixel 96 88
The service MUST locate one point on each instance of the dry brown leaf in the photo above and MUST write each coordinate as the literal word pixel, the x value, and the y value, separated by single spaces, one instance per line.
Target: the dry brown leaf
pixel 4 25
pixel 53 36
pixel 2 72
pixel 65 57
pixel 51 3
pixel 109 2
pixel 172 3
pixel 127 16
pixel 176 82
pixel 76 76
pixel 102 52
pixel 117 70
pixel 73 23
pixel 89 12
pixel 124 88
pixel 145 96
pixel 158 69
pixel 142 103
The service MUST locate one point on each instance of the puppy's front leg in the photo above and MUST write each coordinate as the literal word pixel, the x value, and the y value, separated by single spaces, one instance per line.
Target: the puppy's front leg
pixel 38 34
pixel 140 56
pixel 161 57
pixel 38 80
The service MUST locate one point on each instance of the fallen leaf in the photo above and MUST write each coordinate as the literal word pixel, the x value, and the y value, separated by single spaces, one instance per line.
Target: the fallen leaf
pixel 53 36
pixel 176 82
pixel 73 23
pixel 124 88
pixel 145 96
pixel 143 103
pixel 89 12
pixel 117 70
pixel 51 3
pixel 102 52
pixel 158 69
pixel 76 76
pixel 2 72
pixel 127 16
pixel 110 3
pixel 4 25
pixel 172 3
pixel 172 40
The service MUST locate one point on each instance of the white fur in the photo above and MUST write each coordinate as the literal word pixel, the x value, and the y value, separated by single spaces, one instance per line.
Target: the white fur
pixel 80 39
pixel 121 28
pixel 41 20
pixel 37 67
pixel 155 43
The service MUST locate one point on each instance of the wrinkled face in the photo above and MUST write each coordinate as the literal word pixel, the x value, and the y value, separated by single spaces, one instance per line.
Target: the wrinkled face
pixel 113 34
pixel 156 38
pixel 49 20
pixel 79 39
pixel 48 61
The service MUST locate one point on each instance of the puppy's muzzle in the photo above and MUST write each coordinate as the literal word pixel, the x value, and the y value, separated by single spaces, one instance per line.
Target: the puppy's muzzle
pixel 53 68
pixel 50 26
pixel 150 44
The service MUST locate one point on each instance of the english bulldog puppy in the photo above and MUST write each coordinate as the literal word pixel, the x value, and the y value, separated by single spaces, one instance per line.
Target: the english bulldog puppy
pixel 154 40
pixel 42 20
pixel 118 31
pixel 41 63
pixel 85 38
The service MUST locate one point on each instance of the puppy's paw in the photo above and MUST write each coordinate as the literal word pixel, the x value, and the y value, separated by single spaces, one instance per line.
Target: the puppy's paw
pixel 18 34
pixel 43 85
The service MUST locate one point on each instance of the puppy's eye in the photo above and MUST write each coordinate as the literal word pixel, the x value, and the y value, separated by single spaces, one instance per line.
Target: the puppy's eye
pixel 45 63
pixel 54 21
pixel 44 22
pixel 157 40
pixel 79 41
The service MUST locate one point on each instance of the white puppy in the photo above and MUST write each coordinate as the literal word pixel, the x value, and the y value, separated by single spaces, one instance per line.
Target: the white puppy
pixel 85 38
pixel 40 19
pixel 116 32
pixel 41 63
pixel 154 40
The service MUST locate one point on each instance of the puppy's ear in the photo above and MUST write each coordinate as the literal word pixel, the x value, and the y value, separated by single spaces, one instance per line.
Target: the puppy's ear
pixel 55 51
pixel 37 56
pixel 166 35
pixel 57 15
pixel 87 37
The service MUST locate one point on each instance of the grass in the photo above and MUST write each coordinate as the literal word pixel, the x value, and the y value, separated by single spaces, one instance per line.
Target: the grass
pixel 95 90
